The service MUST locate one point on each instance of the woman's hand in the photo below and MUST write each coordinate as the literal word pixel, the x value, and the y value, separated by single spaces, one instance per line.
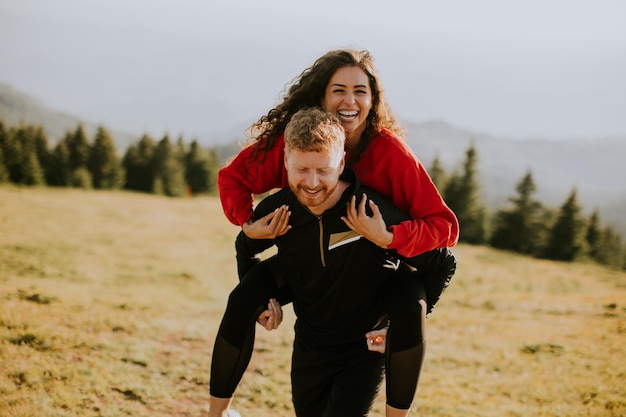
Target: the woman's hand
pixel 272 317
pixel 268 227
pixel 372 228
pixel 376 340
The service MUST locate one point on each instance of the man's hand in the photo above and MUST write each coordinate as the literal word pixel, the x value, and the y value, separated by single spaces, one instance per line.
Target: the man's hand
pixel 268 227
pixel 272 317
pixel 372 228
pixel 376 340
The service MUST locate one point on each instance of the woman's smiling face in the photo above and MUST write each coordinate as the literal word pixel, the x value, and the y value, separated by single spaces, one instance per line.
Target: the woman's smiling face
pixel 349 97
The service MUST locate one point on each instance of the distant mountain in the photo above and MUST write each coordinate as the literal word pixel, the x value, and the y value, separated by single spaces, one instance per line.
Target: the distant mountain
pixel 17 107
pixel 595 167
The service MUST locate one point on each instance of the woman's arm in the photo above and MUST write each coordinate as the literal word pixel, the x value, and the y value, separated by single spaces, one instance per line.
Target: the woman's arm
pixel 433 223
pixel 390 167
pixel 243 177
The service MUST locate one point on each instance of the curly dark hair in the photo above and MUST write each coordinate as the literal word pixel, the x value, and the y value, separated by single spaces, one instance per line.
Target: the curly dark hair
pixel 308 89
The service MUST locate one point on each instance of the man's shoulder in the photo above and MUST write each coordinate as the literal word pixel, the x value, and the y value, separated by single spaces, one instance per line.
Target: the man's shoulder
pixel 371 194
pixel 274 200
pixel 386 207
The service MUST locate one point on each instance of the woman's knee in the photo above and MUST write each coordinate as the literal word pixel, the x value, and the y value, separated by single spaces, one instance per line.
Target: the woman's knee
pixel 406 296
pixel 408 309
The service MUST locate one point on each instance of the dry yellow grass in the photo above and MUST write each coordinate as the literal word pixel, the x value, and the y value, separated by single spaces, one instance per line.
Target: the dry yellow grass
pixel 110 301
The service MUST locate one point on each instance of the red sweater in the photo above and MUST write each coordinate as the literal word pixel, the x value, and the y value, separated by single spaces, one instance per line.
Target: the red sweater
pixel 388 166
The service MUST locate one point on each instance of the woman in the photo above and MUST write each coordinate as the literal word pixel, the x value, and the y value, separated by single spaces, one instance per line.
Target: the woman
pixel 345 83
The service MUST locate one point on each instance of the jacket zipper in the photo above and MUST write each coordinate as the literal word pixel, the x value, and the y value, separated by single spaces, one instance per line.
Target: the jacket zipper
pixel 321 224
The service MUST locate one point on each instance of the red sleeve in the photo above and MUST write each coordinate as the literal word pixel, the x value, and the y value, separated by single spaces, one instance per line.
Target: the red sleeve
pixel 391 168
pixel 242 178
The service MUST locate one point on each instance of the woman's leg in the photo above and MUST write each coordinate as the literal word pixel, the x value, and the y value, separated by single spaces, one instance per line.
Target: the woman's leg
pixel 235 338
pixel 410 297
pixel 435 268
pixel 405 303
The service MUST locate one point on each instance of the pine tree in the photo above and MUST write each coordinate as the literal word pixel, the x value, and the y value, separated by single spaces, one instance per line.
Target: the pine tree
pixel 169 172
pixel 24 164
pixel 138 164
pixel 605 245
pixel 520 229
pixel 462 194
pixel 3 134
pixel 567 237
pixel 79 150
pixel 81 178
pixel 104 165
pixel 214 167
pixel 78 146
pixel 11 152
pixel 4 172
pixel 198 169
pixel 594 235
pixel 32 171
pixel 58 173
pixel 611 252
pixel 40 143
pixel 181 149
pixel 438 174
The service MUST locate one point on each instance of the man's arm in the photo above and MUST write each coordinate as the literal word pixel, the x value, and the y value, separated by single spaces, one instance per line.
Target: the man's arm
pixel 247 251
pixel 276 215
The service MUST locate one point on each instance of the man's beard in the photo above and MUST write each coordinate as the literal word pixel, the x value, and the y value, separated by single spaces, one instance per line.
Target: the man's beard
pixel 311 202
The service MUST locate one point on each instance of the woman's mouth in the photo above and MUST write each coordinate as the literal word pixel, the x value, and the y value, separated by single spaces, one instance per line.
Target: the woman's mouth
pixel 347 115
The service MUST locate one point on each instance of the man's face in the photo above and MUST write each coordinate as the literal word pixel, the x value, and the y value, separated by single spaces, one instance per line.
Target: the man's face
pixel 313 177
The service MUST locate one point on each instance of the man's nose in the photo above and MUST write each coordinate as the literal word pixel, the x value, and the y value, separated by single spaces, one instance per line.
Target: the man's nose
pixel 312 180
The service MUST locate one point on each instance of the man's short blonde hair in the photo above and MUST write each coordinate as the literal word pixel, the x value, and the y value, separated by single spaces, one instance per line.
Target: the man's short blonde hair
pixel 314 130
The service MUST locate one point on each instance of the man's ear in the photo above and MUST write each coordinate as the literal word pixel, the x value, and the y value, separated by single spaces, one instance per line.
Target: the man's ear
pixel 343 162
pixel 285 158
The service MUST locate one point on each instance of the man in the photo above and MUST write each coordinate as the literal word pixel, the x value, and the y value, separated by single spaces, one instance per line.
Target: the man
pixel 338 281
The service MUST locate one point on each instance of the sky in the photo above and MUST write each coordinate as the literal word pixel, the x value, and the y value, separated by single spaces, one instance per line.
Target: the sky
pixel 552 69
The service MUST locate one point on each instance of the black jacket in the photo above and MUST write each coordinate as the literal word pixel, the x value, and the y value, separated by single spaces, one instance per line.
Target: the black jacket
pixel 336 276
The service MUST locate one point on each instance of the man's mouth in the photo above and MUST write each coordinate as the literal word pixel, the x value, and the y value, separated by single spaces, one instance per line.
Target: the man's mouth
pixel 311 193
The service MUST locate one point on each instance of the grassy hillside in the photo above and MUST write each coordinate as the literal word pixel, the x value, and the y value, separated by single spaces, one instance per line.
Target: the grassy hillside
pixel 110 301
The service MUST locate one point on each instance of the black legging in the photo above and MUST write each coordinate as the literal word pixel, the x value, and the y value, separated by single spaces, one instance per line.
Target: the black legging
pixel 408 297
pixel 235 338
